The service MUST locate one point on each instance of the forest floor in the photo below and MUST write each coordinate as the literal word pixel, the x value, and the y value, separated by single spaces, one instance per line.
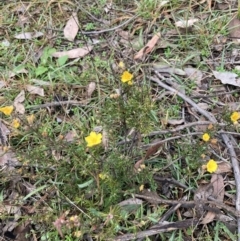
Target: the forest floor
pixel 119 120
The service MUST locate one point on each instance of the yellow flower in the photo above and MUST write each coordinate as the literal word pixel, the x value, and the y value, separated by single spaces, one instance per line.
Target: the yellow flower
pixel 77 234
pixel 142 166
pixel 235 116
pixel 141 187
pixel 93 139
pixel 206 137
pixel 127 77
pixel 102 176
pixel 7 110
pixel 121 65
pixel 15 123
pixel 114 96
pixel 212 166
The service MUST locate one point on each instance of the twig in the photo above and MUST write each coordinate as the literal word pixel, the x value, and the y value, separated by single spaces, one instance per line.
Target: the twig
pixel 236 170
pixel 169 212
pixel 172 181
pixel 209 116
pixel 192 204
pixel 171 138
pixel 110 29
pixel 179 128
pixel 164 228
pixel 57 103
pixel 100 31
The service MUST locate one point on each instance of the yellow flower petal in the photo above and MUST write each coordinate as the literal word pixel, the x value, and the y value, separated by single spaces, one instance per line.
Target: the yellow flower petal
pixel 235 116
pixel 126 77
pixel 103 176
pixel 7 110
pixel 206 137
pixel 130 82
pixel 141 187
pixel 30 119
pixel 121 65
pixel 15 123
pixel 212 166
pixel 93 139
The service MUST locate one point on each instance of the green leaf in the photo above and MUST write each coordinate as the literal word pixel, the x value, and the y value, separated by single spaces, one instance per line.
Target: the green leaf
pixel 46 54
pixel 85 184
pixel 62 60
pixel 41 70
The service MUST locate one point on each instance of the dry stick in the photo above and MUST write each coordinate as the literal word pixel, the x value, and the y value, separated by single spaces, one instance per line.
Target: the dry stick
pixel 209 116
pixel 181 127
pixel 57 103
pixel 225 137
pixel 103 30
pixel 191 204
pixel 235 164
pixel 170 139
pixel 164 228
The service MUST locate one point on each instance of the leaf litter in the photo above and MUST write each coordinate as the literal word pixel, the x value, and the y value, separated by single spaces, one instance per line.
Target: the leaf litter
pixel 71 29
pixel 18 102
pixel 73 53
pixel 174 72
pixel 35 90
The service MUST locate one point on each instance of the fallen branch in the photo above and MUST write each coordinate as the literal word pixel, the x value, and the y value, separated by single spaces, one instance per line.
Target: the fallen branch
pixel 163 228
pixel 236 171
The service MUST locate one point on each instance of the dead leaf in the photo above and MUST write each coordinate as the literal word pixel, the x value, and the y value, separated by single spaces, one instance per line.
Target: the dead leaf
pixel 203 106
pixel 105 139
pixel 90 89
pixel 218 187
pixel 203 192
pixel 4 132
pixel 8 159
pixel 194 75
pixel 186 23
pixel 71 29
pixel 74 53
pixel 218 193
pixel 208 218
pixel 223 167
pixel 200 195
pixel 148 47
pixel 150 151
pixel 20 97
pixel 165 68
pixel 70 136
pixel 22 20
pixel 18 103
pixel 35 90
pixel 130 201
pixel 28 35
pixel 13 211
pixel 175 121
pixel 227 78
